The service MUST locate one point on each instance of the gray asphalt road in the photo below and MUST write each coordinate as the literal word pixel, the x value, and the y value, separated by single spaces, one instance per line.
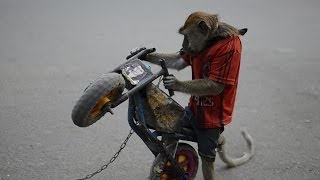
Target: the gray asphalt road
pixel 51 50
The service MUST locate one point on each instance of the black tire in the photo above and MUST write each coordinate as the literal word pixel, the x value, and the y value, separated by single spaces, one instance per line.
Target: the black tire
pixel 158 166
pixel 107 83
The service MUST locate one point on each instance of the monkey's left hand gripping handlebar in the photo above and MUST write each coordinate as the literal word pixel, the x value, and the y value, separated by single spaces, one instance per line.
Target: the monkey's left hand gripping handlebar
pixel 166 73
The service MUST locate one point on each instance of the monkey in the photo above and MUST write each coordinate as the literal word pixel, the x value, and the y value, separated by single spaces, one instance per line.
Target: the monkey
pixel 200 30
pixel 215 77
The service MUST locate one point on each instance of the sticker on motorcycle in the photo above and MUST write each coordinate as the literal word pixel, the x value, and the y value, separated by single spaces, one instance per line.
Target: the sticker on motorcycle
pixel 134 73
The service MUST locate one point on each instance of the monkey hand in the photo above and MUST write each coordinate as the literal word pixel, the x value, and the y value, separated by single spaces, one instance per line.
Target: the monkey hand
pixel 171 82
pixel 137 50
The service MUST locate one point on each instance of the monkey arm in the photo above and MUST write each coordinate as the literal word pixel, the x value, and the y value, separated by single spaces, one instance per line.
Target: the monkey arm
pixel 173 60
pixel 200 87
pixel 197 87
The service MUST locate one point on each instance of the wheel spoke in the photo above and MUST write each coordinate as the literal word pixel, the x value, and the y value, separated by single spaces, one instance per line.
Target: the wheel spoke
pixel 184 163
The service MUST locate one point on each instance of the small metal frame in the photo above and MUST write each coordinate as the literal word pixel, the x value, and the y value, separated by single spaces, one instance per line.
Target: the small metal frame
pixel 136 118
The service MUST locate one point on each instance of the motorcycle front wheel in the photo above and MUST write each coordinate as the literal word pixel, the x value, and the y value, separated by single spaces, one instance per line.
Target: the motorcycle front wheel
pixel 91 105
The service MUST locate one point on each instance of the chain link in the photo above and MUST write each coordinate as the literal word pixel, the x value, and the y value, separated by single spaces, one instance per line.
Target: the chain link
pixel 112 159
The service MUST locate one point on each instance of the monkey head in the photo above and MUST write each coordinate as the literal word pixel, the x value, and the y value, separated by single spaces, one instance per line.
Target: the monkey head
pixel 198 28
pixel 203 29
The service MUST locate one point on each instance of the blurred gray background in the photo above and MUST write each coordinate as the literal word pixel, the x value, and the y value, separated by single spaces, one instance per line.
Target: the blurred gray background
pixel 51 50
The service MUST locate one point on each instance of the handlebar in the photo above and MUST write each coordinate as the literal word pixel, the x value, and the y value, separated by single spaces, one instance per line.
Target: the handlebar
pixel 166 73
pixel 142 52
pixel 139 53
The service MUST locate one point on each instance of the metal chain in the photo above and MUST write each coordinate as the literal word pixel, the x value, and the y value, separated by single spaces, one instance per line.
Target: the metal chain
pixel 112 159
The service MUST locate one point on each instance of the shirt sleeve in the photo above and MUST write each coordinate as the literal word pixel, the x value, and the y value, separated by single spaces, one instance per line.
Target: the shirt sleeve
pixel 225 62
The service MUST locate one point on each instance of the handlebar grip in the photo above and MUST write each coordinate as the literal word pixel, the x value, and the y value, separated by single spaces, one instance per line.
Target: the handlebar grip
pixel 166 73
pixel 135 52
pixel 146 52
pixel 141 52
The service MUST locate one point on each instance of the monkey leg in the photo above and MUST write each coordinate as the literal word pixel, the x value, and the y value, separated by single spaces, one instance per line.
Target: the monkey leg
pixel 207 168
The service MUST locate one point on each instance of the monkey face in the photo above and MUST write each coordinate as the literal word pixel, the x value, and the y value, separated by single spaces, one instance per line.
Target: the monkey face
pixel 194 40
pixel 197 30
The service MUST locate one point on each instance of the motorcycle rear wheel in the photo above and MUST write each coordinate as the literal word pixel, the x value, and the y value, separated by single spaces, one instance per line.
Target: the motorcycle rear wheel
pixel 187 158
pixel 90 106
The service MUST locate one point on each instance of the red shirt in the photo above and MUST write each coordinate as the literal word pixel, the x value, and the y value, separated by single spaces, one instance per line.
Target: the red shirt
pixel 219 63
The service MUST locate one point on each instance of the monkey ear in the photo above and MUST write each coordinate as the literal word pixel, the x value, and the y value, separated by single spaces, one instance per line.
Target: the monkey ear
pixel 203 26
pixel 243 31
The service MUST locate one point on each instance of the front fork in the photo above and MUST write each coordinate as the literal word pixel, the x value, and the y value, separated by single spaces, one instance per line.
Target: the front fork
pixel 136 120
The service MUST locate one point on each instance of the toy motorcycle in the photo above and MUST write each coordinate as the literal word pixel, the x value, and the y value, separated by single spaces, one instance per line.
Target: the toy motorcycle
pixel 153 115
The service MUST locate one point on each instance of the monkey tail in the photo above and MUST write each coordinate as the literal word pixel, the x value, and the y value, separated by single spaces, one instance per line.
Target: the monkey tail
pixel 232 162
